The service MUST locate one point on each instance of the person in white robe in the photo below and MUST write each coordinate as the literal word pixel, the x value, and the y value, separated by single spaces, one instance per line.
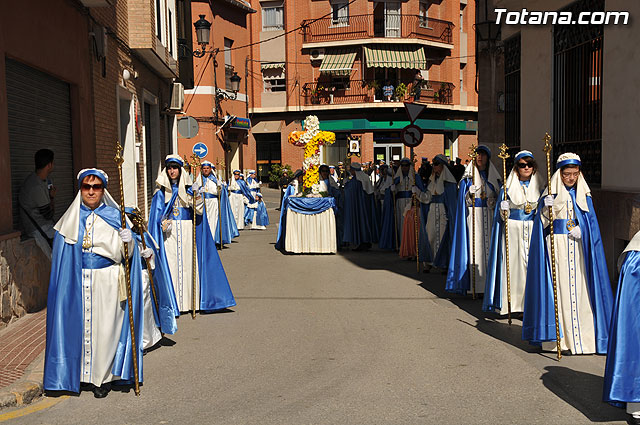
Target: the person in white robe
pixel 177 225
pixel 210 185
pixel 253 183
pixel 524 186
pixel 87 308
pixel 482 180
pixel 239 196
pixel 584 296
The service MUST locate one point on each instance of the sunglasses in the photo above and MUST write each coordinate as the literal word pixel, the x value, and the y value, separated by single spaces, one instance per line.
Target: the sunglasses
pixel 525 165
pixel 96 187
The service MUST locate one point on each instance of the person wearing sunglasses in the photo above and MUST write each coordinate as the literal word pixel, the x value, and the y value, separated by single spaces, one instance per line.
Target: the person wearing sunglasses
pixel 584 292
pixel 171 225
pixel 484 184
pixel 524 186
pixel 87 318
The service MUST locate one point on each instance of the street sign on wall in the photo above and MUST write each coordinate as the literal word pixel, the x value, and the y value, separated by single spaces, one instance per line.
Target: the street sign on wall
pixel 200 149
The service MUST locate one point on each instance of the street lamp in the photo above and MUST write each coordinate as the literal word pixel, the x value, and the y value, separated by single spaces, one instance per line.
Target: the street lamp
pixel 203 30
pixel 235 82
pixel 487 31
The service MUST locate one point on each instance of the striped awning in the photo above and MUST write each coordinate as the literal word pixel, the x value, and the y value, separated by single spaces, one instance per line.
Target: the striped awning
pixel 273 65
pixel 338 61
pixel 407 57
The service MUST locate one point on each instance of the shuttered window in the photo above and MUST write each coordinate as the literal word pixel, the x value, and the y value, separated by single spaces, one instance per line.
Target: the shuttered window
pixel 39 114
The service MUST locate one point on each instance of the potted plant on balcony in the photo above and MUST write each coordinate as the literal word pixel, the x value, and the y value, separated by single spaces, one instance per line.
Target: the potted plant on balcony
pixel 400 92
pixel 442 93
pixel 373 86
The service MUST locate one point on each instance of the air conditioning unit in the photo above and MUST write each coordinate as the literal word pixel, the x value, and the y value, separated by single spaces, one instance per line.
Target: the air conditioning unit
pixel 177 97
pixel 317 54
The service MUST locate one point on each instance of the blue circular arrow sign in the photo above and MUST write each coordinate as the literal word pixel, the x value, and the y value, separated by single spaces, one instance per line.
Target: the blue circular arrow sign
pixel 200 149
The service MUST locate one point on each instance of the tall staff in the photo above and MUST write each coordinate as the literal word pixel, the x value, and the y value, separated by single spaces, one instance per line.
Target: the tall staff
pixel 505 214
pixel 220 188
pixel 118 159
pixel 547 151
pixel 195 166
pixel 138 222
pixel 415 220
pixel 473 154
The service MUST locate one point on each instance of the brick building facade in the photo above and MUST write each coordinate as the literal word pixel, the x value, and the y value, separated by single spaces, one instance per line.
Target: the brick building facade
pixel 85 74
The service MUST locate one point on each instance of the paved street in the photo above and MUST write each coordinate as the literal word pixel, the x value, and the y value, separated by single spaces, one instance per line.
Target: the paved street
pixel 355 338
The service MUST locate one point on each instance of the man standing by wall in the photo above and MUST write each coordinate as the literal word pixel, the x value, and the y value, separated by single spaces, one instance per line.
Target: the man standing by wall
pixel 36 202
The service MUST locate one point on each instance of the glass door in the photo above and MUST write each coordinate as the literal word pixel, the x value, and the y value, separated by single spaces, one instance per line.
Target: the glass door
pixel 392 22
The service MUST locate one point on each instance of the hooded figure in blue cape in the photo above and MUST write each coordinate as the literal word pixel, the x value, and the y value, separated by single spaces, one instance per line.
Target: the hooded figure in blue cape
pixel 584 292
pixel 159 300
pixel 217 207
pixel 239 196
pixel 439 208
pixel 88 331
pixel 361 228
pixel 524 187
pixel 483 181
pixel 622 371
pixel 257 216
pixel 171 225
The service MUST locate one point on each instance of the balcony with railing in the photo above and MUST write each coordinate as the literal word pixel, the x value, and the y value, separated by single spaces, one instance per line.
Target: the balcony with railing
pixel 370 91
pixel 357 27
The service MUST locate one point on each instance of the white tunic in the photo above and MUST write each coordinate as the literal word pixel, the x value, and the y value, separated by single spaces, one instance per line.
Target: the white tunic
pixel 483 225
pixel 103 313
pixel 178 243
pixel 211 204
pixel 237 201
pixel 437 218
pixel 150 332
pixel 574 306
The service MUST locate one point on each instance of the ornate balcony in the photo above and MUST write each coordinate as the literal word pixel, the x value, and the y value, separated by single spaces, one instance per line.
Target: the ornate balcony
pixel 369 26
pixel 369 91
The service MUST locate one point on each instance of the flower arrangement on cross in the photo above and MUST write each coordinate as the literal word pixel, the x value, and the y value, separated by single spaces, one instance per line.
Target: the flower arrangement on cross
pixel 311 138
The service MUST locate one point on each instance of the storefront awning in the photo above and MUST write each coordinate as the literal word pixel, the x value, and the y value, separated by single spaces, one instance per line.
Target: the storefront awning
pixel 338 61
pixel 407 57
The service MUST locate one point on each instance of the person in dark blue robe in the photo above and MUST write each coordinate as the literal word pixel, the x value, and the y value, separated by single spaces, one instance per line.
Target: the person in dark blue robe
pixel 622 370
pixel 360 226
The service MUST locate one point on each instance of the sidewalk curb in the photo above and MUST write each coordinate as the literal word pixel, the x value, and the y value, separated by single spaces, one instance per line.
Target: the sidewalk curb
pixel 26 390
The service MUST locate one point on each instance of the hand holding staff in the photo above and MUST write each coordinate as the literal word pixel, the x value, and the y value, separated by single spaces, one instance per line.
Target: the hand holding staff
pixel 138 222
pixel 118 159
pixel 195 166
pixel 547 150
pixel 504 155
pixel 473 154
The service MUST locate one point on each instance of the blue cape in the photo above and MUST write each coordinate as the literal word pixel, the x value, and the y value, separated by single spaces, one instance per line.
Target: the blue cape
pixel 359 220
pixel 263 216
pixel 282 227
pixel 388 228
pixel 538 323
pixel 215 292
pixel 229 226
pixel 244 188
pixel 492 300
pixel 622 371
pixel 63 352
pixel 444 251
pixel 458 275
